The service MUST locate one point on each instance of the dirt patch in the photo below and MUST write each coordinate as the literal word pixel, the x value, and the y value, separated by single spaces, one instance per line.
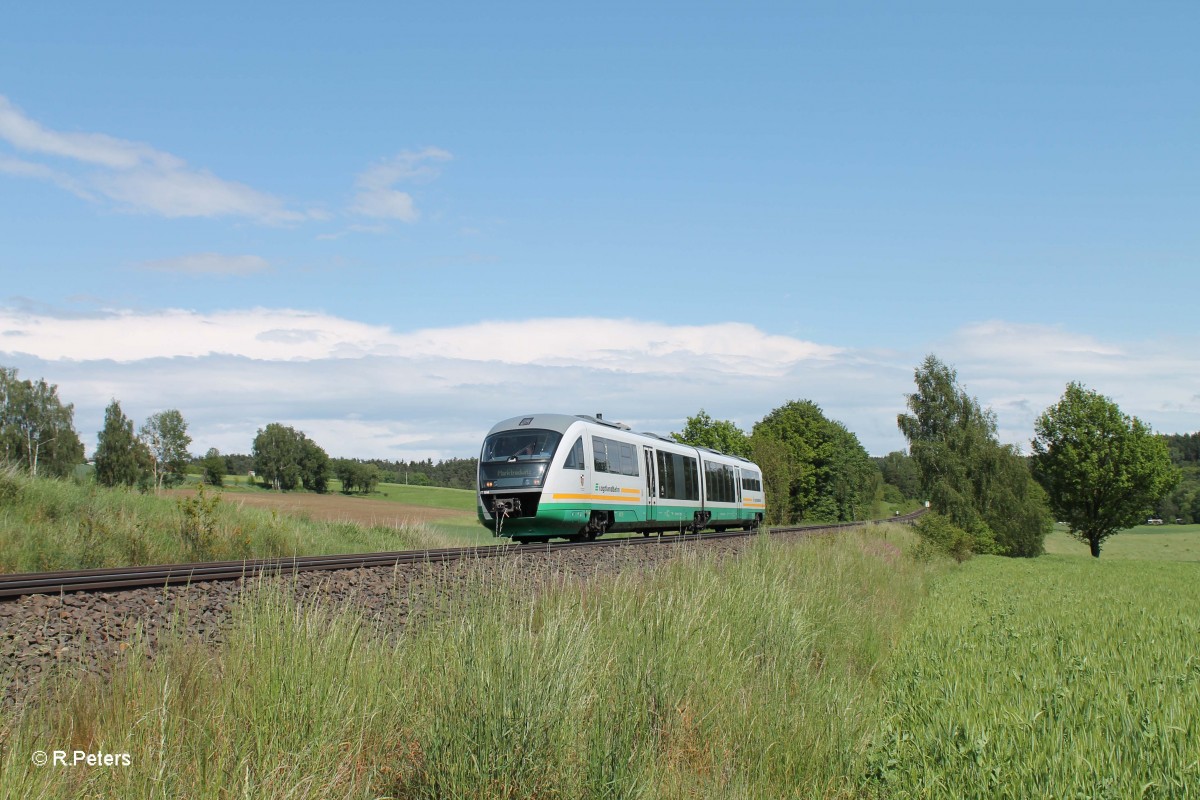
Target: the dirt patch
pixel 340 508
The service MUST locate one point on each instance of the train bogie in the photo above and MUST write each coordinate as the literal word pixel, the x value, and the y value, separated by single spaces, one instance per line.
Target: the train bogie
pixel 544 476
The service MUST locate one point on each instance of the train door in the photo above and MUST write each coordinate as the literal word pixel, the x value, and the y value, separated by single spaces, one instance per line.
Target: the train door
pixel 651 484
pixel 737 492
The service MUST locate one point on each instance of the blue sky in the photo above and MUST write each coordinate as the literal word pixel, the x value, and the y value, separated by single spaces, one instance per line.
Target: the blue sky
pixel 391 226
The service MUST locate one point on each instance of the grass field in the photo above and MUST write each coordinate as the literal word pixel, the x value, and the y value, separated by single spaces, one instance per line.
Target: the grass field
pixel 51 524
pixel 1143 543
pixel 429 496
pixel 461 526
pixel 1051 677
pixel 698 679
pixel 432 496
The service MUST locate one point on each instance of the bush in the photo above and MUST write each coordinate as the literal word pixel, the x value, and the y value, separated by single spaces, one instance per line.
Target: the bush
pixel 939 534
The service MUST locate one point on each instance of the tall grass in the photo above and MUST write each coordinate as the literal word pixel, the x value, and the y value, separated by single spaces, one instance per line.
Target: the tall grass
pixel 749 677
pixel 52 524
pixel 1054 677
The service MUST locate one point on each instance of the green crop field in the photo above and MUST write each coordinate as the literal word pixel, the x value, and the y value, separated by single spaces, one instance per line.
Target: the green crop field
pixel 1050 677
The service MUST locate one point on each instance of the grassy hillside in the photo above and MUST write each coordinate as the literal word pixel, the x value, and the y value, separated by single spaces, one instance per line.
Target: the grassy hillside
pixel 50 524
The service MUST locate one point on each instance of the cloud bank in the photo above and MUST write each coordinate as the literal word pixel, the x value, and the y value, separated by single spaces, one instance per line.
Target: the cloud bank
pixel 369 390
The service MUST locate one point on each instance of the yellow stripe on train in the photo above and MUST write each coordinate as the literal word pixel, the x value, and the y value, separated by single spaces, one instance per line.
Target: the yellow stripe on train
pixel 612 498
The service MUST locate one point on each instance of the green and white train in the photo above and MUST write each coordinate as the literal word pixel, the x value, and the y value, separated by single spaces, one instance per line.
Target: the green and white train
pixel 543 476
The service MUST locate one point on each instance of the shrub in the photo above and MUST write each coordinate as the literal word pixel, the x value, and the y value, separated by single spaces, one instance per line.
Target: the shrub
pixel 938 534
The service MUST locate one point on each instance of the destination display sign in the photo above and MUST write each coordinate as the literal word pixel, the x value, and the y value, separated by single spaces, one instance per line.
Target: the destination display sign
pixel 498 472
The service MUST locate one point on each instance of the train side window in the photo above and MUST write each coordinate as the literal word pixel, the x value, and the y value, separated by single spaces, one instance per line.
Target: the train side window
pixel 575 457
pixel 718 483
pixel 629 464
pixel 666 476
pixel 691 479
pixel 600 453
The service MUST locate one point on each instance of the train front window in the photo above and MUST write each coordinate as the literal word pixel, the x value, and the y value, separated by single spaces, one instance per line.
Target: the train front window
pixel 514 459
pixel 513 446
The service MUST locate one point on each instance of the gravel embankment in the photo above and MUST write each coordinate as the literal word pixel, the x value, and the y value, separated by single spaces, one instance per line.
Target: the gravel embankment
pixel 85 632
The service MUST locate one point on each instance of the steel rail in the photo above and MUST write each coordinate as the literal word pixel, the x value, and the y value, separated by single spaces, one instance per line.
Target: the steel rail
pixel 118 578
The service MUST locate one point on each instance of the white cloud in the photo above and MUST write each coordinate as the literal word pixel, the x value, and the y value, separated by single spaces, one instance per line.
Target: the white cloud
pixel 368 390
pixel 92 148
pixel 209 264
pixel 282 334
pixel 28 169
pixel 135 176
pixel 377 196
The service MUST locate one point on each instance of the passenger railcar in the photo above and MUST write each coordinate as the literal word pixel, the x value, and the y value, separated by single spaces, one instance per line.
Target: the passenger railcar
pixel 578 477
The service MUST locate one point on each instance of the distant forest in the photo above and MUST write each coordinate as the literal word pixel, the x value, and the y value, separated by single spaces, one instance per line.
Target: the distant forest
pixel 1183 504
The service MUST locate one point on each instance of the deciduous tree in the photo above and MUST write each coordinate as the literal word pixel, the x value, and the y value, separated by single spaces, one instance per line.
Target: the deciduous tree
pixel 721 435
pixel 37 430
pixel 277 456
pixel 286 458
pixel 984 487
pixel 356 476
pixel 166 438
pixel 814 468
pixel 1102 470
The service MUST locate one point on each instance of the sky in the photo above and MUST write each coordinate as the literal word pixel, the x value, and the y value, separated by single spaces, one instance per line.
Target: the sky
pixel 391 225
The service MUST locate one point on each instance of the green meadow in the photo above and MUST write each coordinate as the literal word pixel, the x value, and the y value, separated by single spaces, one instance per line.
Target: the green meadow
pixel 1060 676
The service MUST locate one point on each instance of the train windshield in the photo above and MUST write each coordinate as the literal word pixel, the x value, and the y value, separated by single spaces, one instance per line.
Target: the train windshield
pixel 515 446
pixel 516 458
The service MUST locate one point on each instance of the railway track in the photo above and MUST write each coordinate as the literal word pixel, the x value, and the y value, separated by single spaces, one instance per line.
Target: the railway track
pixel 120 578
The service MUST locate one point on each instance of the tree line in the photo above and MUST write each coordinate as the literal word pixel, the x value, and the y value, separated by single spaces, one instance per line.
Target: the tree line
pixel 1092 467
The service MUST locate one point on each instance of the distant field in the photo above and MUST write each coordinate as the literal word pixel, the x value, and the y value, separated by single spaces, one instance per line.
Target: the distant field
pixel 432 496
pixel 1143 543
pixel 49 524
pixel 448 512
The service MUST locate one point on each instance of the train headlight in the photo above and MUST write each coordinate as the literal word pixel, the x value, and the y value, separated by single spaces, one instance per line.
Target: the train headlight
pixel 487 485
